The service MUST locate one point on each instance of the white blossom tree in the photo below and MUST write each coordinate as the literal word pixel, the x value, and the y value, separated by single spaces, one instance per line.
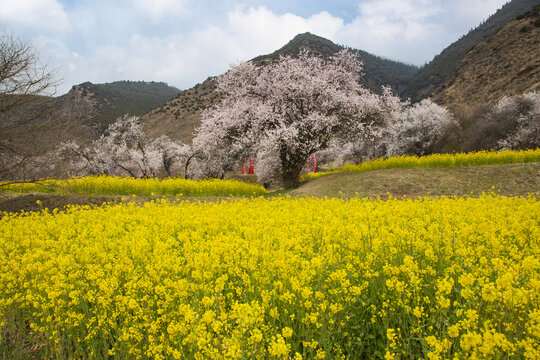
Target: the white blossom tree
pixel 524 111
pixel 71 159
pixel 291 108
pixel 124 148
pixel 418 129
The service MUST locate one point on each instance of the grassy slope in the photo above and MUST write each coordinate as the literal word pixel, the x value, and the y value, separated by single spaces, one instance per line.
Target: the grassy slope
pixel 516 179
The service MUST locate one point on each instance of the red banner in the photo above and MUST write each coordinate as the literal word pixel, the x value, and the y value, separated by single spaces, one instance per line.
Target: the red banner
pixel 251 166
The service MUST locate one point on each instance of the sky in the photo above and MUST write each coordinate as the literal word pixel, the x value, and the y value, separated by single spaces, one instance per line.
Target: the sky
pixel 182 42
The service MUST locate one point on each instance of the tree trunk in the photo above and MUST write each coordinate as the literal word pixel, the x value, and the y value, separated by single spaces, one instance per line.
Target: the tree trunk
pixel 291 176
pixel 188 160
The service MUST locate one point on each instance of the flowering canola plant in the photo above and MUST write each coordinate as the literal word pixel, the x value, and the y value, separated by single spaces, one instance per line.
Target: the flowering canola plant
pixel 277 278
pixel 116 185
pixel 439 160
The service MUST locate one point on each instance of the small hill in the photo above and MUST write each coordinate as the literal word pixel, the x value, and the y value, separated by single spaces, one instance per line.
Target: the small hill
pixel 515 179
pixel 179 117
pixel 507 63
pixel 441 68
pixel 92 107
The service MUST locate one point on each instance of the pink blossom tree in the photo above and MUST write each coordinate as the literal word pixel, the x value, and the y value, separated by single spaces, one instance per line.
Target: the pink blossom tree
pixel 289 109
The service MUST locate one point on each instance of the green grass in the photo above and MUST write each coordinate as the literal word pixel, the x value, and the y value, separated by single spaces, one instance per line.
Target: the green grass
pixel 508 179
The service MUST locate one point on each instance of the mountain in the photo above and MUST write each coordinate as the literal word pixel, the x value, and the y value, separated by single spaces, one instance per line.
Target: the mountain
pixel 378 71
pixel 436 73
pixel 92 107
pixel 179 117
pixel 506 63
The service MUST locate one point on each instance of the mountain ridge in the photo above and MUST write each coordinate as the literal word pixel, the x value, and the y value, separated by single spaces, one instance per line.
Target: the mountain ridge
pixel 504 64
pixel 378 71
pixel 438 70
pixel 90 108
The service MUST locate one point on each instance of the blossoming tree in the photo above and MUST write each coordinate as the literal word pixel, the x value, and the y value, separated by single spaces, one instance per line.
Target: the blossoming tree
pixel 289 110
pixel 418 129
pixel 123 148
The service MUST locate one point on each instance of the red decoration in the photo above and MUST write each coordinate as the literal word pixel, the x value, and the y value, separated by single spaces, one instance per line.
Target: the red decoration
pixel 251 165
pixel 313 159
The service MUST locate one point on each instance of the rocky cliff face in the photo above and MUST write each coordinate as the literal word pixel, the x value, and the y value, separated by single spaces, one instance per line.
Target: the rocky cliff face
pixel 87 109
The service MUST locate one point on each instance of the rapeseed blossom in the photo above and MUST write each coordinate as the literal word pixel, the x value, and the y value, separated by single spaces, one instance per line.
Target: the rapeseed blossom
pixel 477 158
pixel 277 278
pixel 116 185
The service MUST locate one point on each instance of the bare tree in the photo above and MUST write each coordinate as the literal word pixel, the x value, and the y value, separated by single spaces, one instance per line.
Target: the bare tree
pixel 26 87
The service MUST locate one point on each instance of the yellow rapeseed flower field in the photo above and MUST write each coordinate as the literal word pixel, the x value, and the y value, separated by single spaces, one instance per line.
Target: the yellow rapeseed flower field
pixel 111 185
pixel 439 160
pixel 278 278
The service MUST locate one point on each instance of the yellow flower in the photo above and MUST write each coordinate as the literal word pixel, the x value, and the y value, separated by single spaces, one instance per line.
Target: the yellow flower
pixel 453 331
pixel 278 347
pixel 391 334
pixel 287 332
pixel 320 354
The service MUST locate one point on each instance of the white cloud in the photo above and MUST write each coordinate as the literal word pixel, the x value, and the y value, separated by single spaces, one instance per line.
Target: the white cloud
pixel 413 30
pixel 257 31
pixel 43 14
pixel 160 40
pixel 184 59
pixel 159 9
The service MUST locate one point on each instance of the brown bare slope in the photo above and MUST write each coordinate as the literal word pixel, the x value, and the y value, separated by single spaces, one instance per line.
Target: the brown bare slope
pixel 179 117
pixel 440 69
pixel 507 63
